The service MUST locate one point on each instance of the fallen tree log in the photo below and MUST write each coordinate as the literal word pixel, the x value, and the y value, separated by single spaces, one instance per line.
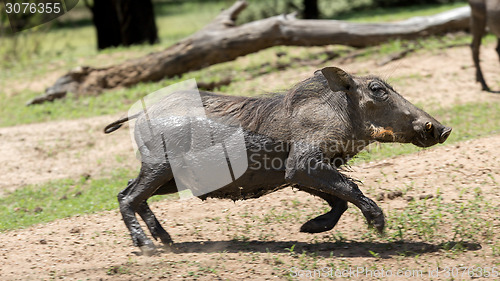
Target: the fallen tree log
pixel 222 41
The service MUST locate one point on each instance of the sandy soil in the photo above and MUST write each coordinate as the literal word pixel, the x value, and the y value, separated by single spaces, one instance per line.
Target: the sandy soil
pixel 222 240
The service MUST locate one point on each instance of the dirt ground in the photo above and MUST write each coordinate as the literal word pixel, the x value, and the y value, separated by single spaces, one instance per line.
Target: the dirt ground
pixel 256 239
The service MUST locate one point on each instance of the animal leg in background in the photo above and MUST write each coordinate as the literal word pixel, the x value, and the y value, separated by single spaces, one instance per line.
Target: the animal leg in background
pixel 498 48
pixel 478 26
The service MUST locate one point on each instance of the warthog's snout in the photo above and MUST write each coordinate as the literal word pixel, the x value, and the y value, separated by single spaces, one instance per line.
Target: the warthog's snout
pixel 445 133
pixel 431 133
pixel 438 132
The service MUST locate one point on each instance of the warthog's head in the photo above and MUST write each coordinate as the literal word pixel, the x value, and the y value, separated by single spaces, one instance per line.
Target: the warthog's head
pixel 384 114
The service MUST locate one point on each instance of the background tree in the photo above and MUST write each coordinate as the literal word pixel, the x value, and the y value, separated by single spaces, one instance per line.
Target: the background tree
pixel 310 9
pixel 123 22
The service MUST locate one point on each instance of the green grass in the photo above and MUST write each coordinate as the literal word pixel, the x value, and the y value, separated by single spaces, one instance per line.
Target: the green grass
pixel 15 112
pixel 432 220
pixel 59 199
pixel 33 204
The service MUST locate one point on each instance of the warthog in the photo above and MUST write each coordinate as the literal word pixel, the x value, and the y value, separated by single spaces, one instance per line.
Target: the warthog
pixel 484 13
pixel 318 125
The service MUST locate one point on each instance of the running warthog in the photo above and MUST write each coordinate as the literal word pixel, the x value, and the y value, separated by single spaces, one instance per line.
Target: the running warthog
pixel 484 13
pixel 312 129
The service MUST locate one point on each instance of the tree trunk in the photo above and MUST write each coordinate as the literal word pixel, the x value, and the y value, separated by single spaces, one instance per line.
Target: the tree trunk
pixel 123 22
pixel 106 24
pixel 311 10
pixel 222 41
pixel 137 21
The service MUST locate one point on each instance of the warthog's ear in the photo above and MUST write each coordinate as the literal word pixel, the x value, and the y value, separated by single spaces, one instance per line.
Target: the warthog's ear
pixel 338 80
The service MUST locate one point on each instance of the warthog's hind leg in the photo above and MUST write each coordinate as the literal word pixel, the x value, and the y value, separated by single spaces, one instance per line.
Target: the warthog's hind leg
pixel 154 226
pixel 326 221
pixel 133 200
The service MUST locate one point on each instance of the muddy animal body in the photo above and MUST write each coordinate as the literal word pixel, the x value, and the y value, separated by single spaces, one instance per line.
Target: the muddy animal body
pixel 298 138
pixel 484 13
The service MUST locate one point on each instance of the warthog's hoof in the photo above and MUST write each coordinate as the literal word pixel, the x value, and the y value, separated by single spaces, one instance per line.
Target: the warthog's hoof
pixel 148 249
pixel 374 216
pixel 316 226
pixel 170 247
pixel 378 222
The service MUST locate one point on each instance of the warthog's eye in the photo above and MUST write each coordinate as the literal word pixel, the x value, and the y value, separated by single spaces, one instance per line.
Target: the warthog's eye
pixel 378 90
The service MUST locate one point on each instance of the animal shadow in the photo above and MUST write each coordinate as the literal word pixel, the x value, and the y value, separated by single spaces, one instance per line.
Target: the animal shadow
pixel 324 249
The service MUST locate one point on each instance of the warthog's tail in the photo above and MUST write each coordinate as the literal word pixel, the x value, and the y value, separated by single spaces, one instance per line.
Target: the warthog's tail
pixel 118 123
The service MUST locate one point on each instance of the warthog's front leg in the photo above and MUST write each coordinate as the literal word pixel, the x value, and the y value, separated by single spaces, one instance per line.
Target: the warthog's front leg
pixel 328 220
pixel 305 166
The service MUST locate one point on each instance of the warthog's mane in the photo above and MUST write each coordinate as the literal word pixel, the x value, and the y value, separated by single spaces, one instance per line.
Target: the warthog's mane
pixel 252 112
pixel 249 112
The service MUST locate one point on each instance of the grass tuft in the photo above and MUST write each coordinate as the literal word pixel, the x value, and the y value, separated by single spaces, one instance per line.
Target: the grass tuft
pixel 58 199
